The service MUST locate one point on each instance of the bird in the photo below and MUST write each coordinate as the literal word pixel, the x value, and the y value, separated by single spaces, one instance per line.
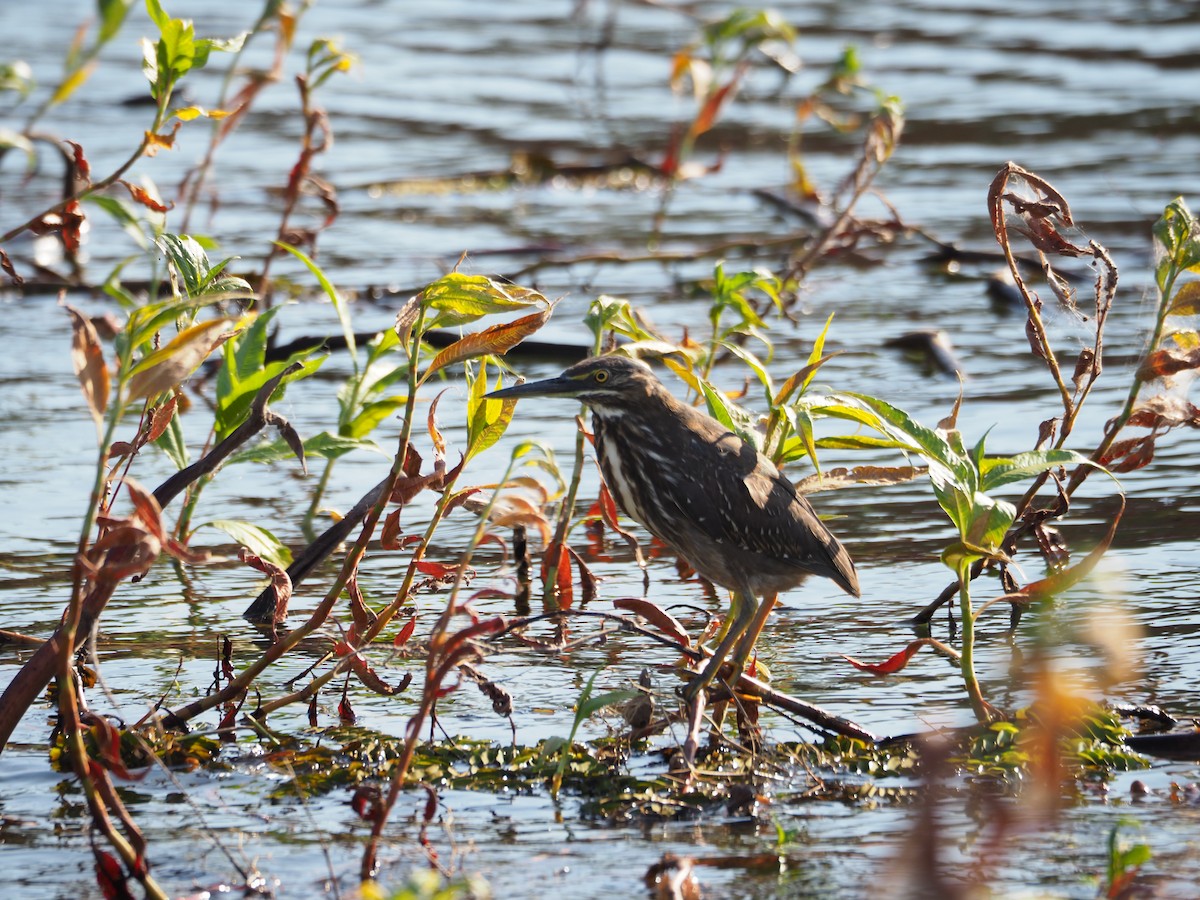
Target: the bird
pixel 703 491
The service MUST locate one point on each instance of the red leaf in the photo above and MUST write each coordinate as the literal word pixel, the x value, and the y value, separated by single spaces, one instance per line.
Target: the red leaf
pixel 148 200
pixel 892 665
pixel 656 616
pixel 160 418
pixel 1128 455
pixel 559 559
pixel 82 168
pixel 405 633
pixel 1162 363
pixel 71 228
pixel 110 876
pixel 436 570
pixel 346 711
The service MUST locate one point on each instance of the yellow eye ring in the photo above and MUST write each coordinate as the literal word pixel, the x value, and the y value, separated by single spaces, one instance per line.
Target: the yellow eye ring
pixel 601 376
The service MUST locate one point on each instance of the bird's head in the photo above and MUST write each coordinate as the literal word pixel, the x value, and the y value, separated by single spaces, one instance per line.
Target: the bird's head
pixel 602 382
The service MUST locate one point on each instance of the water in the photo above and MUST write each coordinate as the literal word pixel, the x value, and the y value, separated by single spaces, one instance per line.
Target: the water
pixel 1099 101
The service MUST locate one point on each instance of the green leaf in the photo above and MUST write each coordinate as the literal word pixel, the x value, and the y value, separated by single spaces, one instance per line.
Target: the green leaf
pixel 814 357
pixel 256 538
pixel 731 415
pixel 487 420
pixel 372 414
pixel 999 471
pixel 157 14
pixel 187 258
pixel 335 298
pixel 593 705
pixel 112 17
pixel 325 445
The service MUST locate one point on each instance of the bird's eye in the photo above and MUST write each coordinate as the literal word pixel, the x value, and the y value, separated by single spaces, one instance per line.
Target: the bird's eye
pixel 600 376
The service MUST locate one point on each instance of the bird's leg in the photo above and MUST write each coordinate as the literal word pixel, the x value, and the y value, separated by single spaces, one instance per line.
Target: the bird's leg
pixel 741 614
pixel 746 645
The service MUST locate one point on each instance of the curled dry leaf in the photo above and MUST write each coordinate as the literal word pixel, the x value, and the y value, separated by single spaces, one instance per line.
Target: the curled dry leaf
pixel 124 551
pixel 509 511
pixel 7 266
pixel 146 509
pixel 87 355
pixel 1163 363
pixel 144 197
pixel 160 418
pixel 281 583
pixel 1164 411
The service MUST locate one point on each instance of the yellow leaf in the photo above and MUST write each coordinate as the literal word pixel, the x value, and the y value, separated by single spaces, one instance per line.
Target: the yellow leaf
pixel 168 366
pixel 195 112
pixel 1186 301
pixel 70 85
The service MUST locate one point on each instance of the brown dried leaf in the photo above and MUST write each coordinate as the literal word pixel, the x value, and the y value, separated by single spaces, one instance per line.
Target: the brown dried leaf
pixel 389 538
pixel 1164 411
pixel 1086 366
pixel 7 266
pixel 407 318
pixel 497 340
pixel 1126 456
pixel 1046 432
pixel 146 508
pixel 510 511
pixel 124 551
pixel 160 418
pixel 1162 363
pixel 87 355
pixel 148 200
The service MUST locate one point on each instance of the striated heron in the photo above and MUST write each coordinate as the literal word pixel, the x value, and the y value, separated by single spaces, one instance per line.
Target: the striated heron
pixel 702 490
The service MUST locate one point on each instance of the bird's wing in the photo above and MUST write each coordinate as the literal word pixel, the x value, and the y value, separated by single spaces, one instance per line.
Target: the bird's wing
pixel 737 497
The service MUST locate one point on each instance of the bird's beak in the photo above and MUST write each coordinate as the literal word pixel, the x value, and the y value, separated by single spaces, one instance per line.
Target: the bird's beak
pixel 550 387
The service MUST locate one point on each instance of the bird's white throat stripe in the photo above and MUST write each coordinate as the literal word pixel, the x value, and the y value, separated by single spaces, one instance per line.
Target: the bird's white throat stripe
pixel 618 483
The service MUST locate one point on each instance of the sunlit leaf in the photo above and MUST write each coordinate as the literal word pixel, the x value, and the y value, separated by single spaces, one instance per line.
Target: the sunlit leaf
pixel 461 299
pixel 893 664
pixel 258 539
pixel 999 471
pixel 1186 301
pixel 72 82
pixel 167 367
pixel 112 17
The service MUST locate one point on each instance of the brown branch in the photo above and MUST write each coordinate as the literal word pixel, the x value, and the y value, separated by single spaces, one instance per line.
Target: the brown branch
pixel 258 419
